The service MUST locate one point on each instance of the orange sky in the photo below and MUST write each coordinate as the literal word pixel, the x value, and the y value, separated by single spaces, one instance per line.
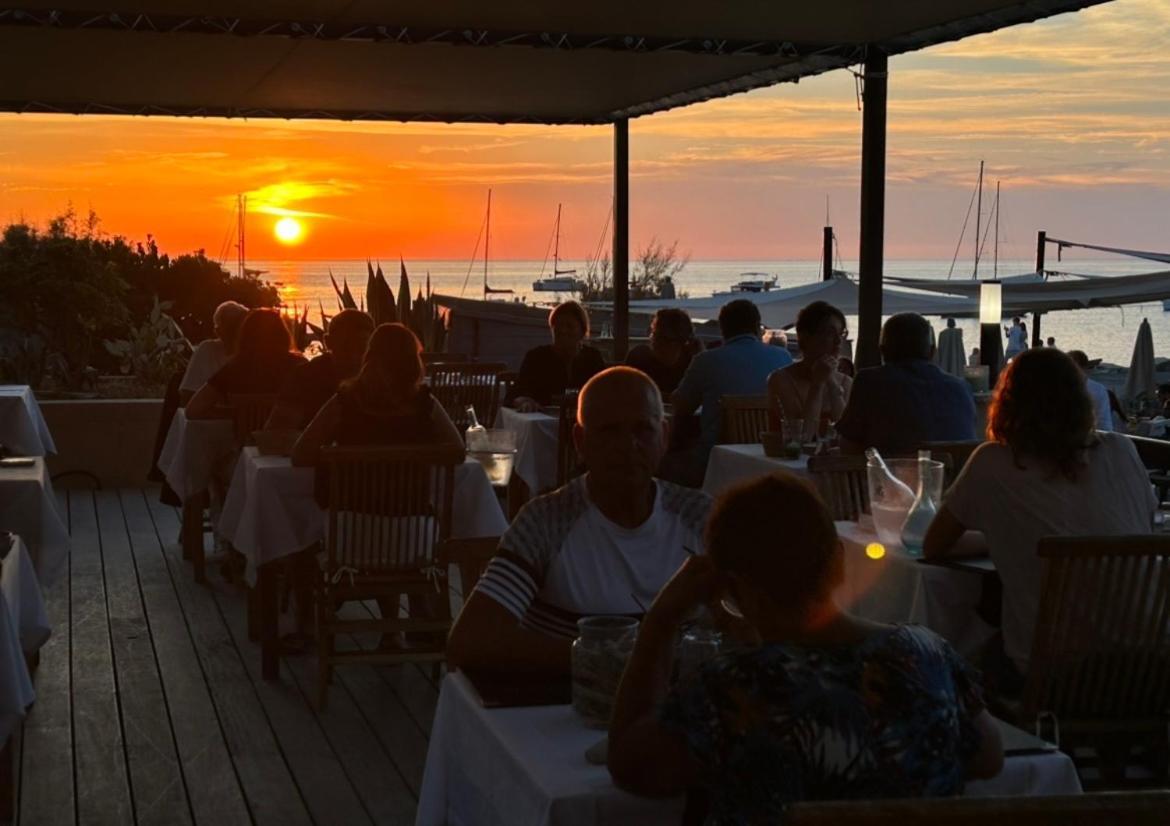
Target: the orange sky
pixel 1070 113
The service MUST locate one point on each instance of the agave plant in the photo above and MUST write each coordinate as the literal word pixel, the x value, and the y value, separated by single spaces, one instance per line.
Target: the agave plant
pixel 420 314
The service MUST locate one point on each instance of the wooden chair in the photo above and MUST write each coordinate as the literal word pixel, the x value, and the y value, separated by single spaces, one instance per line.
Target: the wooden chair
pixel 568 464
pixel 742 419
pixel 957 454
pixel 471 556
pixel 457 385
pixel 389 510
pixel 842 483
pixel 1100 664
pixel 1124 809
pixel 249 413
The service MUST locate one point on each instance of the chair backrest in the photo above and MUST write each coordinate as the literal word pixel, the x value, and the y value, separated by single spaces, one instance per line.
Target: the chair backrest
pixel 568 465
pixel 958 452
pixel 742 419
pixel 1115 809
pixel 1101 649
pixel 842 483
pixel 249 412
pixel 457 385
pixel 388 507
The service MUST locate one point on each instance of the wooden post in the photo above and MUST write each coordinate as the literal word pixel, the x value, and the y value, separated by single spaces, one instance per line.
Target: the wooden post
pixel 827 255
pixel 621 239
pixel 1041 244
pixel 873 208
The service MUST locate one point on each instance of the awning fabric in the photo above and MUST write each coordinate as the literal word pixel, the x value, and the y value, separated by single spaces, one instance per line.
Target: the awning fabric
pixel 1034 293
pixel 520 61
pixel 779 308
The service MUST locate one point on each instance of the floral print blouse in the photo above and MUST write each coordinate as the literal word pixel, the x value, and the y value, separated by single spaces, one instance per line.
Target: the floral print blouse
pixel 892 716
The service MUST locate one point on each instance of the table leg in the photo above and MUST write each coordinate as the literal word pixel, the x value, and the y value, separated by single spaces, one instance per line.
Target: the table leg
pixel 269 622
pixel 254 613
pixel 8 779
pixel 192 538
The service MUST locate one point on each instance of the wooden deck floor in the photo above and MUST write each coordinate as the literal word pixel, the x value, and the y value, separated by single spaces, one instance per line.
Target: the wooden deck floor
pixel 150 708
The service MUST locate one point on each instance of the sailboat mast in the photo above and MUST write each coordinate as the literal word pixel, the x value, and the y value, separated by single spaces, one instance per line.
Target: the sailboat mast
pixel 996 269
pixel 241 212
pixel 557 244
pixel 487 241
pixel 978 216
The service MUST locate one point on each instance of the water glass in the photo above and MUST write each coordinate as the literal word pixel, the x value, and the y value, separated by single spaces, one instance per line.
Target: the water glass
pixel 793 437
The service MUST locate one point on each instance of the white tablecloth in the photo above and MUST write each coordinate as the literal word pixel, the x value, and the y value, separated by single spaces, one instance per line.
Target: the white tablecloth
pixel 527 767
pixel 28 507
pixel 270 511
pixel 731 464
pixel 536 447
pixel 22 427
pixel 194 452
pixel 900 588
pixel 23 629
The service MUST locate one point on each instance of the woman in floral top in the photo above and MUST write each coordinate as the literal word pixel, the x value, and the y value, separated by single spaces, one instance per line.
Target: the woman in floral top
pixel 819 706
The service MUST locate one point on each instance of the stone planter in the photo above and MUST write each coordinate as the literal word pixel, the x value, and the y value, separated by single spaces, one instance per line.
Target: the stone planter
pixel 112 439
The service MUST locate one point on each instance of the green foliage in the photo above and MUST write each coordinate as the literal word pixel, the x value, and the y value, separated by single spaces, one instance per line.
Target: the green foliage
pixel 66 289
pixel 154 349
pixel 421 315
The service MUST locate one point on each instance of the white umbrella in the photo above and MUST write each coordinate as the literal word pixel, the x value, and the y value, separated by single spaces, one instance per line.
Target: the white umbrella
pixel 1140 380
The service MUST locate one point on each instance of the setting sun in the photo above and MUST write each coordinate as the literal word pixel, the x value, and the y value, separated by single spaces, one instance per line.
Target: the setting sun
pixel 289 231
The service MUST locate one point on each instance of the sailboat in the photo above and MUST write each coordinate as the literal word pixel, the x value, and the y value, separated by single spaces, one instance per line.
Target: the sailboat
pixel 561 281
pixel 487 240
pixel 242 269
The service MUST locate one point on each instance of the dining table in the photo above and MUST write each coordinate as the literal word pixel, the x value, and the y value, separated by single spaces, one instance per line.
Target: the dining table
pixel 729 465
pixel 527 766
pixel 24 628
pixel 536 447
pixel 23 431
pixel 29 508
pixel 270 513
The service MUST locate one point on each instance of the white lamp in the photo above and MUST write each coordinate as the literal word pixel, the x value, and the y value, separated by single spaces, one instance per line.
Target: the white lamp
pixel 990 302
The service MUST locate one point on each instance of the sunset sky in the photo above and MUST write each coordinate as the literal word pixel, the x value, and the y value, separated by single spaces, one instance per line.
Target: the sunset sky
pixel 1072 115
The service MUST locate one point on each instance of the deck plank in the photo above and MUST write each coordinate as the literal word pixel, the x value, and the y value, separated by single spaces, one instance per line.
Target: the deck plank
pixel 103 787
pixel 213 788
pixel 160 795
pixel 319 774
pixel 271 793
pixel 46 772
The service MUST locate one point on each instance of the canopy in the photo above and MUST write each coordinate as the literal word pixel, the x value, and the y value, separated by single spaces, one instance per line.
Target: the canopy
pixel 536 61
pixel 779 308
pixel 1034 293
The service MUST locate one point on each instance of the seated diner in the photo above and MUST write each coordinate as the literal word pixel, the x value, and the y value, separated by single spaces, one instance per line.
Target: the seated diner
pixel 1044 471
pixel 213 353
pixel 605 543
pixel 672 344
pixel 812 389
pixel 311 385
pixel 550 369
pixel 814 704
pixel 263 360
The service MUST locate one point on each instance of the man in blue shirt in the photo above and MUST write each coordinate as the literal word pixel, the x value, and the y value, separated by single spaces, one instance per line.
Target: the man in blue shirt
pixel 740 367
pixel 908 400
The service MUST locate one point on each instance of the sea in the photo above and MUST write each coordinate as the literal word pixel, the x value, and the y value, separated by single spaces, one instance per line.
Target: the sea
pixel 1103 333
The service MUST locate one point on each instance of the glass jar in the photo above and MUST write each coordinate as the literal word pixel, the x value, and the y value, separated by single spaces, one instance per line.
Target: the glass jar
pixel 698 644
pixel 600 652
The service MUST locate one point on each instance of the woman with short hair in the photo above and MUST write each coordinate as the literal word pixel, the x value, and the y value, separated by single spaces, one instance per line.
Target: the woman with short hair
pixel 820 705
pixel 813 388
pixel 1044 471
pixel 666 357
pixel 566 364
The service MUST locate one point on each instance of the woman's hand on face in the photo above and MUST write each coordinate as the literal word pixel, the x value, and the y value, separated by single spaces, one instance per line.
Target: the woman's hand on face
pixel 697 582
pixel 524 404
pixel 824 369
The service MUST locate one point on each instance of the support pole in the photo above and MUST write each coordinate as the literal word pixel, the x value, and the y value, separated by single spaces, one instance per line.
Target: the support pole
pixel 1041 245
pixel 827 255
pixel 621 239
pixel 873 208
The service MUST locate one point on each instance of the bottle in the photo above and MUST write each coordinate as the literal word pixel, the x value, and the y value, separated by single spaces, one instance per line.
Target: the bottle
pixel 475 431
pixel 884 485
pixel 922 511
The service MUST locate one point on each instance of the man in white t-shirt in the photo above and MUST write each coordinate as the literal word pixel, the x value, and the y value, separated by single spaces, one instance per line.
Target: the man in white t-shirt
pixel 213 353
pixel 605 543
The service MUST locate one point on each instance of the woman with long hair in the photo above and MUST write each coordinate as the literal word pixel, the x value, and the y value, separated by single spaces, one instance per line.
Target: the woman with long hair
pixel 1044 471
pixel 385 404
pixel 816 704
pixel 263 358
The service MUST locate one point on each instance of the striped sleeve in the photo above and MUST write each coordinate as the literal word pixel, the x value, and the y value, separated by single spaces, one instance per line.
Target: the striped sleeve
pixel 510 581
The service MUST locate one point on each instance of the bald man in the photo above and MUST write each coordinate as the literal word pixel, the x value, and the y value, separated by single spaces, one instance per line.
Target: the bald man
pixel 310 385
pixel 605 543
pixel 213 353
